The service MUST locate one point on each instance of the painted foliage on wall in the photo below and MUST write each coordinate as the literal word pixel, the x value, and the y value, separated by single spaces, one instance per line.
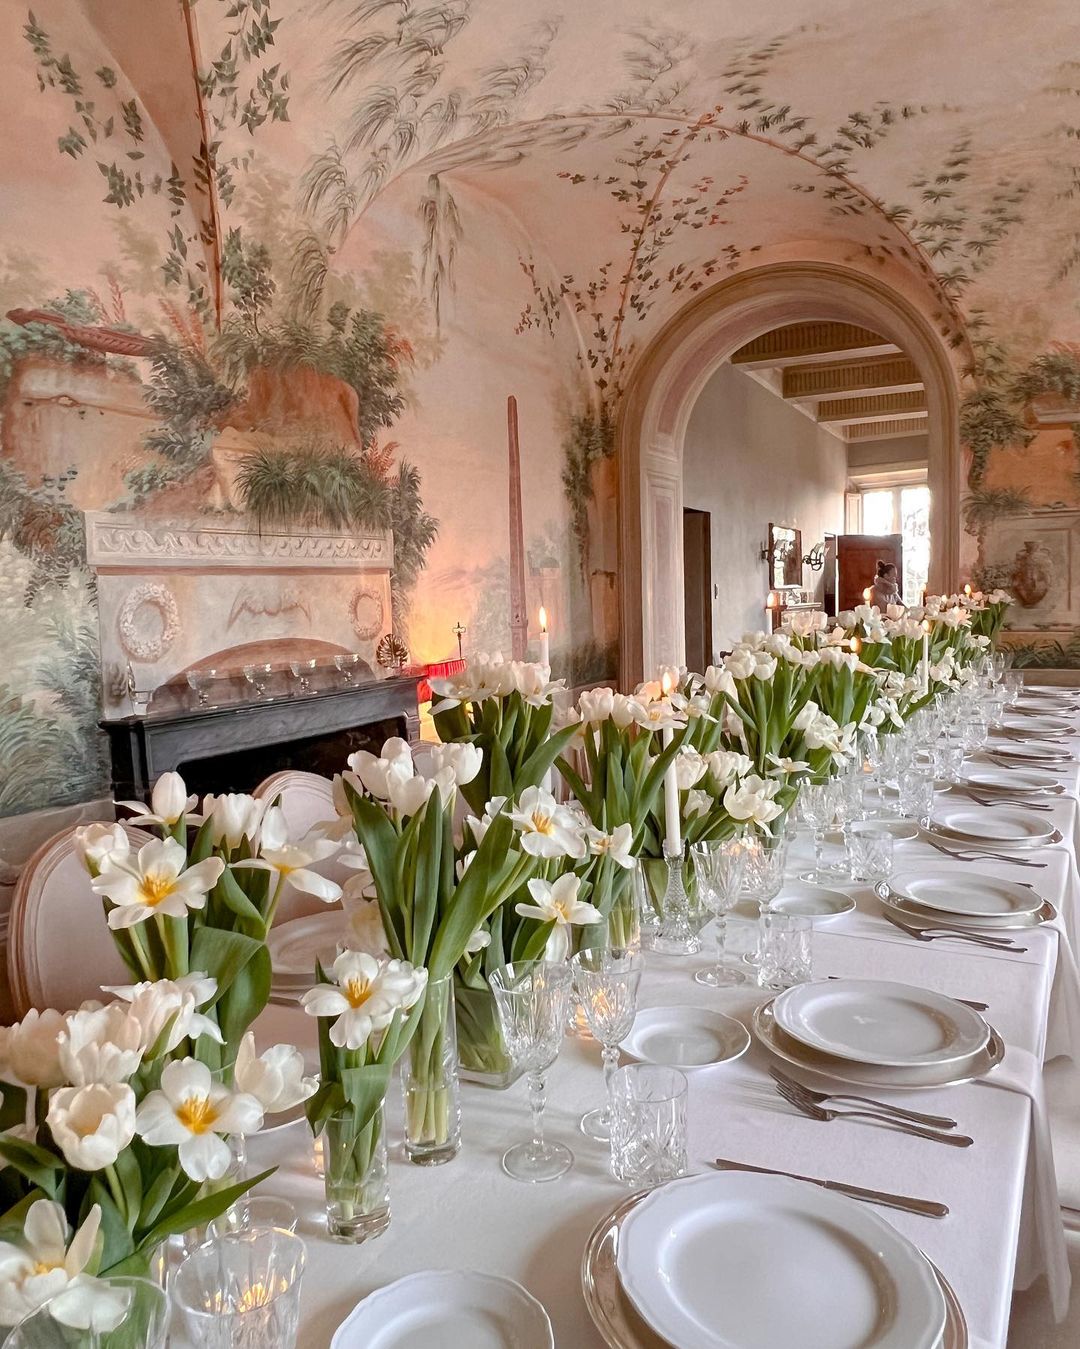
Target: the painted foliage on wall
pixel 274 267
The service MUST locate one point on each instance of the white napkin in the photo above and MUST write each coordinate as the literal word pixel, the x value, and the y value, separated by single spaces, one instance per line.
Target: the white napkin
pixel 1042 1234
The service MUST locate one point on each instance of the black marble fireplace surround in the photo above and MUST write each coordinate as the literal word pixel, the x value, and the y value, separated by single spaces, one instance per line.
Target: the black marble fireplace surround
pixel 232 748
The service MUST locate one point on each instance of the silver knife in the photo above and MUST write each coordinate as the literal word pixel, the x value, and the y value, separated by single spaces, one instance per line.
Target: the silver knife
pixel 926 1208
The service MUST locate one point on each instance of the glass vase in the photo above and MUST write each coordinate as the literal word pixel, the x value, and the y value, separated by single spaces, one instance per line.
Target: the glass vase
pixel 429 1080
pixel 482 1054
pixel 655 882
pixel 356 1177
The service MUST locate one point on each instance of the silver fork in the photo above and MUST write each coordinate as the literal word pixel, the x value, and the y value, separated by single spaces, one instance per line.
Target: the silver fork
pixel 1003 800
pixel 812 1111
pixel 975 856
pixel 820 1097
pixel 941 933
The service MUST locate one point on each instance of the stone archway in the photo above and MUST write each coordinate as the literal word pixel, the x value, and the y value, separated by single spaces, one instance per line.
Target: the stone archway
pixel 665 386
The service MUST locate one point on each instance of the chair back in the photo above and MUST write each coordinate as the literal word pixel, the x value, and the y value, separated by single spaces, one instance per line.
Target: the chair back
pixel 306 799
pixel 60 951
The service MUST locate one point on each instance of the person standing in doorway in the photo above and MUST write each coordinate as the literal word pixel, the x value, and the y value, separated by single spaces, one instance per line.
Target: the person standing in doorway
pixel 885 589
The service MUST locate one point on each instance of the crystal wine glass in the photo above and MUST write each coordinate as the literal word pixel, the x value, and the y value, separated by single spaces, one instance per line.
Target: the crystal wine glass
pixel 532 997
pixel 719 867
pixel 346 665
pixel 817 805
pixel 302 670
pixel 258 676
pixel 606 983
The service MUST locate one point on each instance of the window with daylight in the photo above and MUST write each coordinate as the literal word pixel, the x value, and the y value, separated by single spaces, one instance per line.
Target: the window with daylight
pixel 902 510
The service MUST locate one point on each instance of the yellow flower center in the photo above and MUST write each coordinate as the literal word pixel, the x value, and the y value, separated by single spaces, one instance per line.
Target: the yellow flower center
pixel 196 1114
pixel 357 991
pixel 156 888
pixel 542 823
pixel 46 1266
pixel 562 911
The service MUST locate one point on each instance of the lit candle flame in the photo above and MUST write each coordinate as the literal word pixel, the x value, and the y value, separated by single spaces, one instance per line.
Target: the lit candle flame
pixel 856 645
pixel 926 625
pixel 868 594
pixel 967 589
pixel 665 684
pixel 543 619
pixel 773 601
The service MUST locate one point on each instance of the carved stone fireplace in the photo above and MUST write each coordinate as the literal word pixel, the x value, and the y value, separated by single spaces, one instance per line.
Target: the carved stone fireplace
pixel 213 592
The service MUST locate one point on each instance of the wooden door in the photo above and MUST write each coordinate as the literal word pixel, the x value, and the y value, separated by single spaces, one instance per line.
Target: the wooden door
pixel 857 556
pixel 697 580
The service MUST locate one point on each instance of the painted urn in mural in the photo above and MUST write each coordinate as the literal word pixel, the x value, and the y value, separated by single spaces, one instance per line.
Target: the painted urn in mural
pixel 1032 573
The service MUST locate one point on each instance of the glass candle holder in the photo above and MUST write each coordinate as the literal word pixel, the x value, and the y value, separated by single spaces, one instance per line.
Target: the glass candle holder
pixel 241 1290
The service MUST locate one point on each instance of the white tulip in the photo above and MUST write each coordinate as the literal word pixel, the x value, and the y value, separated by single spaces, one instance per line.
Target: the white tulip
pixel 463 760
pixel 557 902
pixel 726 765
pixel 764 666
pixel 624 711
pixel 365 995
pixel 408 795
pixel 233 818
pixel 546 828
pixel 190 1113
pixel 169 802
pixel 170 1004
pixel 30 1049
pixel 91 1304
pixel 292 861
pixel 92 1125
pixel 46 1261
pixel 479 941
pixel 719 680
pixel 95 844
pixel 275 1077
pixel 690 768
pixel 659 715
pixel 102 1045
pixel 697 803
pixel 617 845
pixel 740 664
pixel 753 801
pixel 377 771
pixel 596 705
pixel 156 881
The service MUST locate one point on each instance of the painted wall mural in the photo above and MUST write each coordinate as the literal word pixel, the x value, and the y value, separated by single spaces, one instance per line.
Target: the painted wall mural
pixel 272 268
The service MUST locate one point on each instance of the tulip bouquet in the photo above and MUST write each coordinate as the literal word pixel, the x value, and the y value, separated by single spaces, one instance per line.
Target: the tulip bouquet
pixel 117 1137
pixel 568 897
pixel 367 1011
pixel 402 813
pixel 506 709
pixel 988 612
pixel 202 896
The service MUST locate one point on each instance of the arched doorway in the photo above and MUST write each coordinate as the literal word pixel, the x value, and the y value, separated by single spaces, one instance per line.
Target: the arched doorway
pixel 665 386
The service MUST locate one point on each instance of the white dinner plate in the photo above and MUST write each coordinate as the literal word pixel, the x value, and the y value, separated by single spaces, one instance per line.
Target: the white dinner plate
pixel 447 1309
pixel 879 1022
pixel 731 1260
pixel 1033 751
pixel 1013 779
pixel 1009 825
pixel 811 901
pixel 294 946
pixel 685 1037
pixel 970 894
pixel 1036 726
pixel 914 915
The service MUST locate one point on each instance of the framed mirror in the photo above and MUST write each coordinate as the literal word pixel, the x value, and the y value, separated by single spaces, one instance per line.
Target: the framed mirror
pixel 785 556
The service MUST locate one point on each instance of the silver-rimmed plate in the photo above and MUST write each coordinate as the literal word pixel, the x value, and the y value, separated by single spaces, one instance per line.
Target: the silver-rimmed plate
pixel 1022 781
pixel 819 1068
pixel 999 826
pixel 620 1326
pixel 880 1023
pixel 1035 726
pixel 973 895
pixel 1022 751
pixel 915 916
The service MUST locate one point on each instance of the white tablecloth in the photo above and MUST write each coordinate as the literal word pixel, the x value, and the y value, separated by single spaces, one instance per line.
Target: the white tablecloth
pixel 468 1214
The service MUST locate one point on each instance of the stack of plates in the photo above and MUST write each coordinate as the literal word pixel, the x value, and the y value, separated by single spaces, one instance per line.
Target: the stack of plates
pixel 741 1261
pixel 1000 826
pixel 296 945
pixel 1015 779
pixel 878 1033
pixel 1029 751
pixel 1035 724
pixel 967 900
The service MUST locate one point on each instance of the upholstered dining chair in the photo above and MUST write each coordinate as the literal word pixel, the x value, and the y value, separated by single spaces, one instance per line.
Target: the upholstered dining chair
pixel 60 952
pixel 306 799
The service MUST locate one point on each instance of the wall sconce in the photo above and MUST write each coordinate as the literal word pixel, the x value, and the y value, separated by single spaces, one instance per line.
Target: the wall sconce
pixel 815 558
pixel 765 553
pixel 773 601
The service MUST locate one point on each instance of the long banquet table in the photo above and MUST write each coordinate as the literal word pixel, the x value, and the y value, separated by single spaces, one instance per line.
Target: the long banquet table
pixel 469 1215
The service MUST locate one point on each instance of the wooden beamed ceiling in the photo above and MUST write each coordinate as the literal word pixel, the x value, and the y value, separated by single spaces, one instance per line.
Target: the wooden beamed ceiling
pixel 849 379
